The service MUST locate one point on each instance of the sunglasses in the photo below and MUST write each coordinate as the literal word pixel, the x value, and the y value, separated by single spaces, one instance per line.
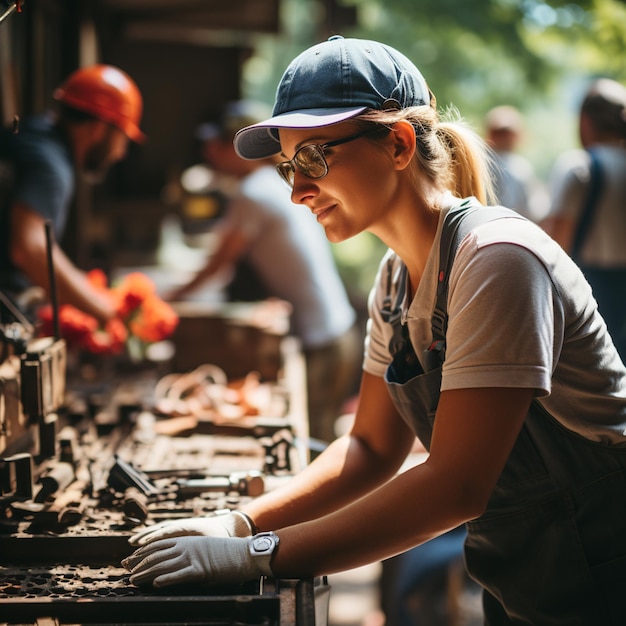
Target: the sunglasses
pixel 310 159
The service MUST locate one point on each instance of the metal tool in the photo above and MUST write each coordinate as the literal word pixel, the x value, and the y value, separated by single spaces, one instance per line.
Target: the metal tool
pixel 16 477
pixel 57 478
pixel 124 475
pixel 138 490
pixel 66 509
pixel 15 6
pixel 257 427
pixel 246 484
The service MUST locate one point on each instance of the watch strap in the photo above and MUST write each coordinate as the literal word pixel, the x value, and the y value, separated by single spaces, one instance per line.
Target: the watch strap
pixel 262 547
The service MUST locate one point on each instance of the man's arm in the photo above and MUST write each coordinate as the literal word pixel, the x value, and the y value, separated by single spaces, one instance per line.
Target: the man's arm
pixel 231 246
pixel 28 251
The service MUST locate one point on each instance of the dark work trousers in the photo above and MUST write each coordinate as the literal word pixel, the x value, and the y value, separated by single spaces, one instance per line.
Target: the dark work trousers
pixel 609 290
pixel 550 549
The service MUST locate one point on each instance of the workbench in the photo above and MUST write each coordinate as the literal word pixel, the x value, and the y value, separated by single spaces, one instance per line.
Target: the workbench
pixel 60 563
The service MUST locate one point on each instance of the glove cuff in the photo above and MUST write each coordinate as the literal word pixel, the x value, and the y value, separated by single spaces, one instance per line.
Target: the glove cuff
pixel 237 524
pixel 244 526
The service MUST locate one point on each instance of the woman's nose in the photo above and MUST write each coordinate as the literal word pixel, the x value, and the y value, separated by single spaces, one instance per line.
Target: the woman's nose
pixel 303 188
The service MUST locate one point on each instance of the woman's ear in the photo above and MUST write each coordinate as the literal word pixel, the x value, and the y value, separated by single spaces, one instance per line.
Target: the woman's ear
pixel 403 138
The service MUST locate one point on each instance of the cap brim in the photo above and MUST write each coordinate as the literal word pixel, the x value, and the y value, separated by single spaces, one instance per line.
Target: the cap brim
pixel 259 141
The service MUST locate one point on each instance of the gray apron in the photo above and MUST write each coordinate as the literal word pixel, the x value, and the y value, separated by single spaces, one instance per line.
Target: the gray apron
pixel 550 547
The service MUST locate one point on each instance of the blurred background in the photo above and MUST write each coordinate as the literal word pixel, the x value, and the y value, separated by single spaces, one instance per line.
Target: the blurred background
pixel 188 57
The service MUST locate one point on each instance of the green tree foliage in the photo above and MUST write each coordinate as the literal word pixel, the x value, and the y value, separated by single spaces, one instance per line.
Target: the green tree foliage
pixel 475 54
pixel 478 52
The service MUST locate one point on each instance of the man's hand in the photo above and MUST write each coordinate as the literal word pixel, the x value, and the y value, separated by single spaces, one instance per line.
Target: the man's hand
pixel 177 560
pixel 221 524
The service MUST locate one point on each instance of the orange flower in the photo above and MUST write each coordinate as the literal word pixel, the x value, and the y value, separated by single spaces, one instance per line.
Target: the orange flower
pixel 132 292
pixel 154 322
pixel 142 314
pixel 98 279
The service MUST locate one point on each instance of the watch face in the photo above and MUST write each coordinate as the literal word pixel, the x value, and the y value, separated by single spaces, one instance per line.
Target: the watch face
pixel 263 544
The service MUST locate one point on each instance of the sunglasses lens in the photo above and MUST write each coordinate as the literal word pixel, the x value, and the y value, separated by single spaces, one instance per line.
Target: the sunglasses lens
pixel 285 170
pixel 311 162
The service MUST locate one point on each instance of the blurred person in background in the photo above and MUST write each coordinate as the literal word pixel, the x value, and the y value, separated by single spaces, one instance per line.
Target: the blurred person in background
pixel 516 183
pixel 278 250
pixel 588 209
pixel 98 110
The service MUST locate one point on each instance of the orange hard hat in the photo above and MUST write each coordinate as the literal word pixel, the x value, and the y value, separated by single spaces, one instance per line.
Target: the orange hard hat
pixel 107 93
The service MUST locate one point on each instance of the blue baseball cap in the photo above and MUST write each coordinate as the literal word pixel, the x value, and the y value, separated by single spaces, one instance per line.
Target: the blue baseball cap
pixel 332 82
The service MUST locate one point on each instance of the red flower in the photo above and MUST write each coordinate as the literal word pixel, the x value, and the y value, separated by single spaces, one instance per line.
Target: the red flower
pixel 132 292
pixel 74 325
pixel 142 314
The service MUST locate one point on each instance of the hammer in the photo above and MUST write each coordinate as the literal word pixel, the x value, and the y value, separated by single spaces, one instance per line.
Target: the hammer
pixel 249 483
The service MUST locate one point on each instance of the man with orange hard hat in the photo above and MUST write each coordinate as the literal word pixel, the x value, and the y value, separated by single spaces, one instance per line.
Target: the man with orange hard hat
pixel 98 110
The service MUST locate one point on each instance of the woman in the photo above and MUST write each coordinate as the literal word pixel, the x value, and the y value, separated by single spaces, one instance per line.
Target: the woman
pixel 525 420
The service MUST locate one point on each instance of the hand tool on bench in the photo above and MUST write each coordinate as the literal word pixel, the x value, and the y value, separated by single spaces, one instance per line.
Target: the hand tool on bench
pixel 138 489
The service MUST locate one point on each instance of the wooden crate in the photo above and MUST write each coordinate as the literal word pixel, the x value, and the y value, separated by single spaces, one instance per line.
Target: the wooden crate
pixel 233 336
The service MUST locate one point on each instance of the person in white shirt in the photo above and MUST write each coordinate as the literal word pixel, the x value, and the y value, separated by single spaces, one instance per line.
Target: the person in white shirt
pixel 516 183
pixel 588 210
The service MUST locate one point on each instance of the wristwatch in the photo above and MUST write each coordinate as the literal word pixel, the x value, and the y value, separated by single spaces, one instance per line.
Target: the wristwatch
pixel 262 548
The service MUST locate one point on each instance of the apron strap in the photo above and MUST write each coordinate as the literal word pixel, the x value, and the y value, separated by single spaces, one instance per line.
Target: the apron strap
pixel 459 221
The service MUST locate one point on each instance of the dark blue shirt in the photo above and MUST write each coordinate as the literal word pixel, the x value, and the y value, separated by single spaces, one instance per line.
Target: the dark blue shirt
pixel 36 169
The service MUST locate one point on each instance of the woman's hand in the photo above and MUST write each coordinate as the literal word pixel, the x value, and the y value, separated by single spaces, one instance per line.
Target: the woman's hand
pixel 221 524
pixel 177 560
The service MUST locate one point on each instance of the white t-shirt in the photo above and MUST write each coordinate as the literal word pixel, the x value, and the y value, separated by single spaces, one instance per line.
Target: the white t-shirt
pixel 520 315
pixel 289 250
pixel 518 187
pixel 569 183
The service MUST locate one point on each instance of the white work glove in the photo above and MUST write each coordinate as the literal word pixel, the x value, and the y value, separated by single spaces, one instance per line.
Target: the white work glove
pixel 178 560
pixel 222 523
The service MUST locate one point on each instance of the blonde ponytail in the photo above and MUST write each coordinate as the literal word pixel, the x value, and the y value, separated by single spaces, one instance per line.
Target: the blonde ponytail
pixel 448 151
pixel 470 161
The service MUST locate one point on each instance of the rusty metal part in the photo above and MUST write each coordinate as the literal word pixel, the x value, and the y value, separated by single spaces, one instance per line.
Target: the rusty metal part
pixel 124 475
pixel 278 452
pixel 65 510
pixel 71 504
pixel 58 477
pixel 135 505
pixel 82 594
pixel 16 477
